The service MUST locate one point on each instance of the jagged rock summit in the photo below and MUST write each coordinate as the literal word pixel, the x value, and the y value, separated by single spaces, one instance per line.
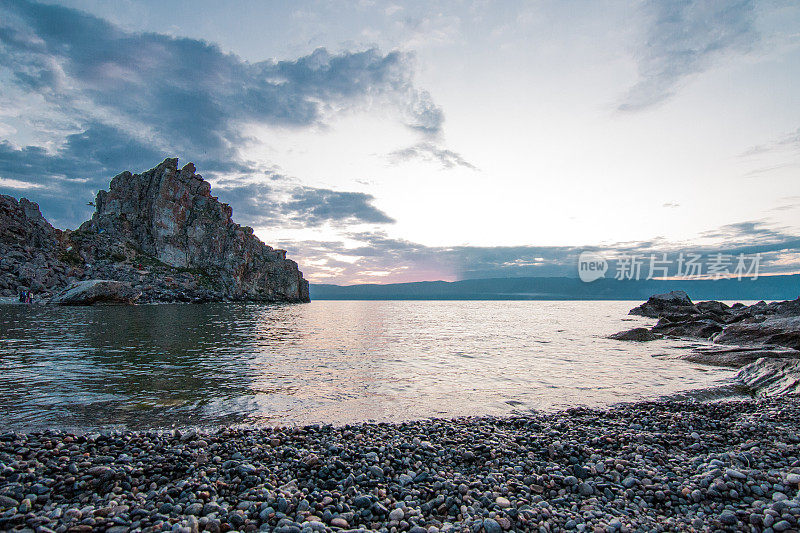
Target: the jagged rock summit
pixel 164 234
pixel 170 215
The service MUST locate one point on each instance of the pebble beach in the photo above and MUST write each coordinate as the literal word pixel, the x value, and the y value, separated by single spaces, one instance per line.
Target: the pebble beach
pixel 461 266
pixel 664 465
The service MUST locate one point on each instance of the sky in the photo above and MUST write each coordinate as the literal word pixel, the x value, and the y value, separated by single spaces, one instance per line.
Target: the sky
pixel 385 142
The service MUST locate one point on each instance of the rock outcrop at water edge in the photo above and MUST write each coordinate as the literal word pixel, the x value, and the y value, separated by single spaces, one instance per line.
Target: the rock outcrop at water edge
pixel 771 377
pixel 738 356
pixel 776 324
pixel 97 291
pixel 161 231
pixel 762 339
pixel 635 334
pixel 776 331
pixel 671 304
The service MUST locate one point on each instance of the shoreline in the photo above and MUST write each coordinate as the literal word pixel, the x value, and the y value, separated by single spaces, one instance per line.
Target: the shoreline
pixel 11 300
pixel 7 300
pixel 663 465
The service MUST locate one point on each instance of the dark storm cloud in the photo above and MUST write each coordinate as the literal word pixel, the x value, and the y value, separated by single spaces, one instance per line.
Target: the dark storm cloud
pixel 685 37
pixel 287 205
pixel 79 159
pixel 189 88
pixel 177 97
pixel 427 151
pixel 315 206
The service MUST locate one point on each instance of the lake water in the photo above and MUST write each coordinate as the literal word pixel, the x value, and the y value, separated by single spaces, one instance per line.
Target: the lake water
pixel 155 366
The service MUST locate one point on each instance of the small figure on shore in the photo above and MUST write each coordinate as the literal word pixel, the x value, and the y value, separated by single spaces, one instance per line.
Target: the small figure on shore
pixel 26 297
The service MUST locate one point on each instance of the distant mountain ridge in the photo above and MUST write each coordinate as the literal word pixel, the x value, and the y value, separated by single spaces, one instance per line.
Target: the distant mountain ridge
pixel 782 287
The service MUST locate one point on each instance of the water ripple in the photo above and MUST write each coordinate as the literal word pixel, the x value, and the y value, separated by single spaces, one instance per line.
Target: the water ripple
pixel 336 362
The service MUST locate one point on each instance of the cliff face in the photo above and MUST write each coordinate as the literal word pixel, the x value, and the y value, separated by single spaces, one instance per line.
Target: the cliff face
pixel 169 214
pixel 30 248
pixel 162 232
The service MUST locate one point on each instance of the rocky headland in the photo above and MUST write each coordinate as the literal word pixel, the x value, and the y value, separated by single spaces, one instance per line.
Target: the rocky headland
pixel 762 339
pixel 159 233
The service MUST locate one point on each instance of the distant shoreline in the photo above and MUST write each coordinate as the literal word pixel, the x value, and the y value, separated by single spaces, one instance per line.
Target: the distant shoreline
pixel 10 300
pixel 780 287
pixel 505 299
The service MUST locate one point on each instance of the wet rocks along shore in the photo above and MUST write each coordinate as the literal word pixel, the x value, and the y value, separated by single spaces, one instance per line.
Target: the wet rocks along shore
pixel 652 466
pixel 762 339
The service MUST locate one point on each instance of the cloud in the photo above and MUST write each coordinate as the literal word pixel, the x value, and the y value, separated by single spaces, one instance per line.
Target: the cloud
pixel 791 203
pixel 766 170
pixel 288 205
pixel 68 177
pixel 429 29
pixel 400 260
pixel 116 100
pixel 315 206
pixel 189 88
pixel 428 151
pixel 17 184
pixel 424 115
pixel 789 141
pixel 781 152
pixel 752 235
pixel 684 38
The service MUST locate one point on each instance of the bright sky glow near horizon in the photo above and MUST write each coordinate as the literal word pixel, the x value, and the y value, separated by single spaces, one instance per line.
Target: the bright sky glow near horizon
pixel 384 142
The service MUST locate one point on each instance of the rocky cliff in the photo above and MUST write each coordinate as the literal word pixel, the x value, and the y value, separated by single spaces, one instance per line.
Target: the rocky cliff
pixel 162 232
pixel 30 249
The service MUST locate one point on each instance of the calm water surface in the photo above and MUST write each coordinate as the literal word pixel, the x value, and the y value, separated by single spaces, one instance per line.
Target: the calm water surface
pixel 327 361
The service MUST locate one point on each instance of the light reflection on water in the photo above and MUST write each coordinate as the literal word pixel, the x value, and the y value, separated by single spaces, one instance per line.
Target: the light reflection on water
pixel 327 361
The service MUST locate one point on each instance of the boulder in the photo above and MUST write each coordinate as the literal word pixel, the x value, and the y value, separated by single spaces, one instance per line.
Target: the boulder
pixel 772 331
pixel 786 308
pixel 671 304
pixel 768 334
pixel 635 334
pixel 760 324
pixel 713 306
pixel 97 291
pixel 697 327
pixel 718 312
